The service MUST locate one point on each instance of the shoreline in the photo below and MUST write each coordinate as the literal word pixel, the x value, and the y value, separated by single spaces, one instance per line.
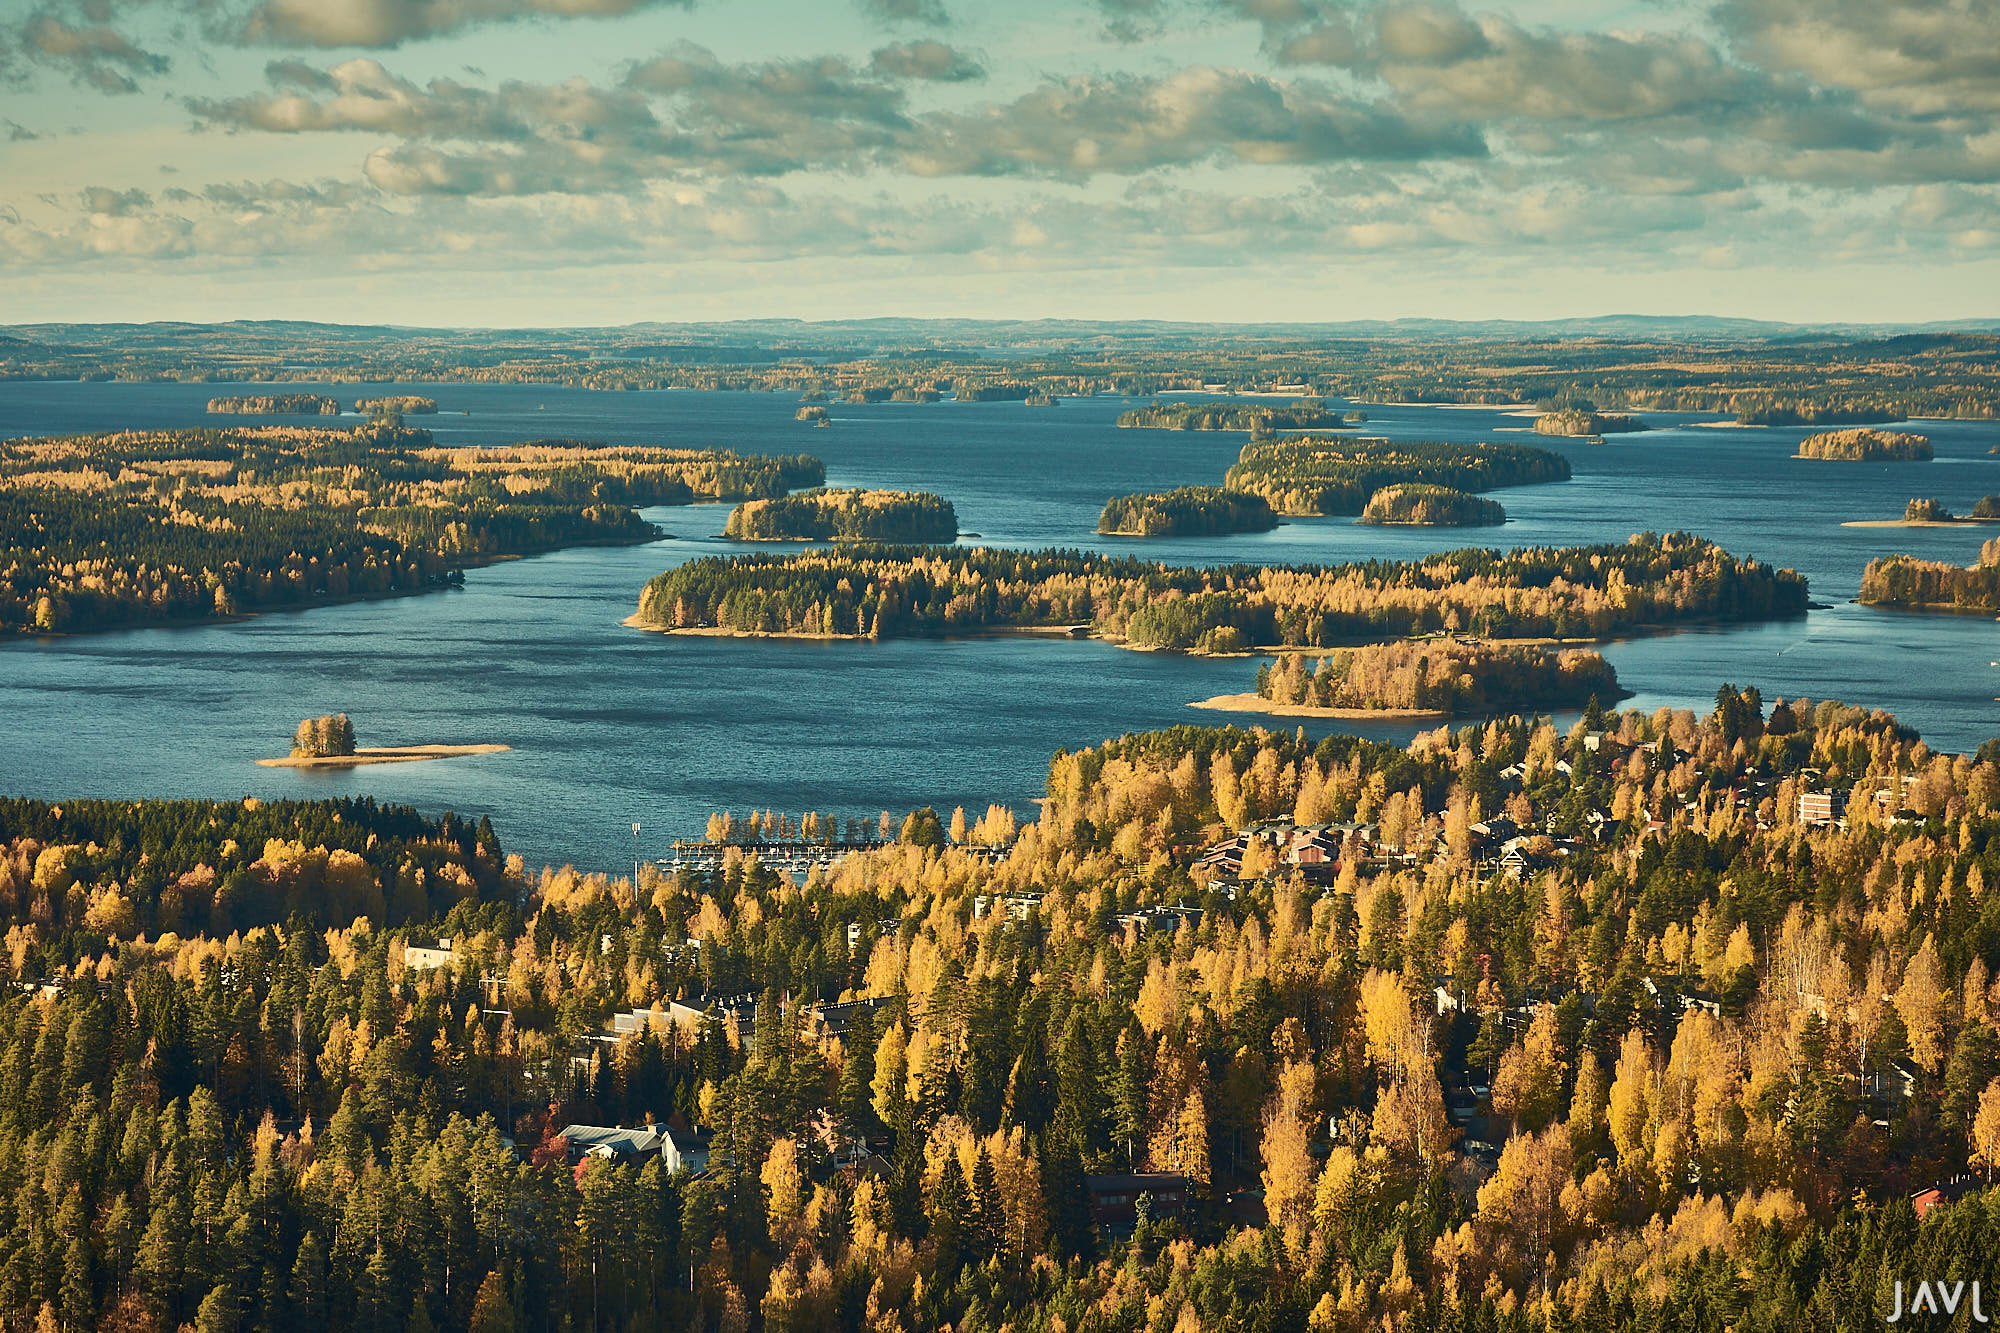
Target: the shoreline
pixel 636 621
pixel 383 754
pixel 1257 703
pixel 1917 522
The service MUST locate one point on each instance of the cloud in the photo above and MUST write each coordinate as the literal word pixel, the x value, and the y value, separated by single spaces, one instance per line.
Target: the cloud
pixel 1129 123
pixel 930 12
pixel 1923 57
pixel 95 56
pixel 385 23
pixel 19 133
pixel 115 203
pixel 927 60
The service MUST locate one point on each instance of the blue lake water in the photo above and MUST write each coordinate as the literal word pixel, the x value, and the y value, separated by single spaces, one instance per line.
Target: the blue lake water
pixel 611 725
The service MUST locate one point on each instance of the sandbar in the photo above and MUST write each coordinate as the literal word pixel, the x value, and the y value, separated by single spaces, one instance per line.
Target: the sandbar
pixel 384 754
pixel 1257 703
pixel 1917 522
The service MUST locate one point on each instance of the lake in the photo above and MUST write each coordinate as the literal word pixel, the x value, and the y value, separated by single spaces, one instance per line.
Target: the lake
pixel 611 725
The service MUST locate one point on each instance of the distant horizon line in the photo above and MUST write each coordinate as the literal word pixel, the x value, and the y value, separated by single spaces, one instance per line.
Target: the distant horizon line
pixel 1962 324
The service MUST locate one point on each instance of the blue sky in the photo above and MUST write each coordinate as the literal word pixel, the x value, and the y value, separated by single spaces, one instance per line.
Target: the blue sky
pixel 548 162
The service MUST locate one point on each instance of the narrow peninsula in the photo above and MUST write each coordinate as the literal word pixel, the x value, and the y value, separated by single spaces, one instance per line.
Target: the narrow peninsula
pixel 1427 678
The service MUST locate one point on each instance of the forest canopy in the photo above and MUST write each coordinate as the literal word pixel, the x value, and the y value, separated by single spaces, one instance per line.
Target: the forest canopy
pixel 1568 1032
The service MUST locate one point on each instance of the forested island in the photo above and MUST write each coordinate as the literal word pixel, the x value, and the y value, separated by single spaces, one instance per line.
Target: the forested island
pixel 1866 446
pixel 1186 511
pixel 1556 1031
pixel 845 516
pixel 1257 418
pixel 813 414
pixel 1431 506
pixel 283 404
pixel 1450 677
pixel 397 405
pixel 136 527
pixel 1324 477
pixel 1577 421
pixel 900 592
pixel 1903 580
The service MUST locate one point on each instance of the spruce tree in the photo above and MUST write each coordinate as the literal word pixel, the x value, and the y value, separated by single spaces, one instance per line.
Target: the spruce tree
pixel 951 1237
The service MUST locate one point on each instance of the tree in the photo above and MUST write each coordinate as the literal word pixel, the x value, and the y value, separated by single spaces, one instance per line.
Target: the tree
pixel 492 1310
pixel 1986 1130
pixel 1920 1004
pixel 1286 1148
pixel 950 1206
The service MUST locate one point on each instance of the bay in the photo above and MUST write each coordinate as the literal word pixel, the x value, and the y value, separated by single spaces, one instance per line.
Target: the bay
pixel 611 725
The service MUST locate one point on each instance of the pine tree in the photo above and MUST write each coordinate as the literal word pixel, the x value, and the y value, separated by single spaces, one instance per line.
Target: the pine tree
pixel 306 1294
pixel 950 1235
pixel 492 1309
pixel 988 1217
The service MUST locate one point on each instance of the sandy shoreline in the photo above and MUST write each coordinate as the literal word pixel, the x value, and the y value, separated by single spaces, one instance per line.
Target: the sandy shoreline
pixel 1918 522
pixel 1256 703
pixel 635 621
pixel 385 754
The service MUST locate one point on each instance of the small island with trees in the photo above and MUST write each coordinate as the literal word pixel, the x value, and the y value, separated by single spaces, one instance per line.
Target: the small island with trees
pixel 1427 678
pixel 1935 585
pixel 1308 476
pixel 1922 513
pixel 1865 446
pixel 1257 418
pixel 814 414
pixel 275 405
pixel 845 516
pixel 1186 511
pixel 397 405
pixel 1431 506
pixel 328 742
pixel 1584 422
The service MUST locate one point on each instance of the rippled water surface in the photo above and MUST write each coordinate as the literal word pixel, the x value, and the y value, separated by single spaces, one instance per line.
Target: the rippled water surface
pixel 610 724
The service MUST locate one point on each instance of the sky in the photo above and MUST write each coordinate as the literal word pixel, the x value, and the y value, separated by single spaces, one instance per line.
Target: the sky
pixel 585 162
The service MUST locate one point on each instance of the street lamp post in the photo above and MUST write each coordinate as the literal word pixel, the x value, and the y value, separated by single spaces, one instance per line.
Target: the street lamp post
pixel 635 855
